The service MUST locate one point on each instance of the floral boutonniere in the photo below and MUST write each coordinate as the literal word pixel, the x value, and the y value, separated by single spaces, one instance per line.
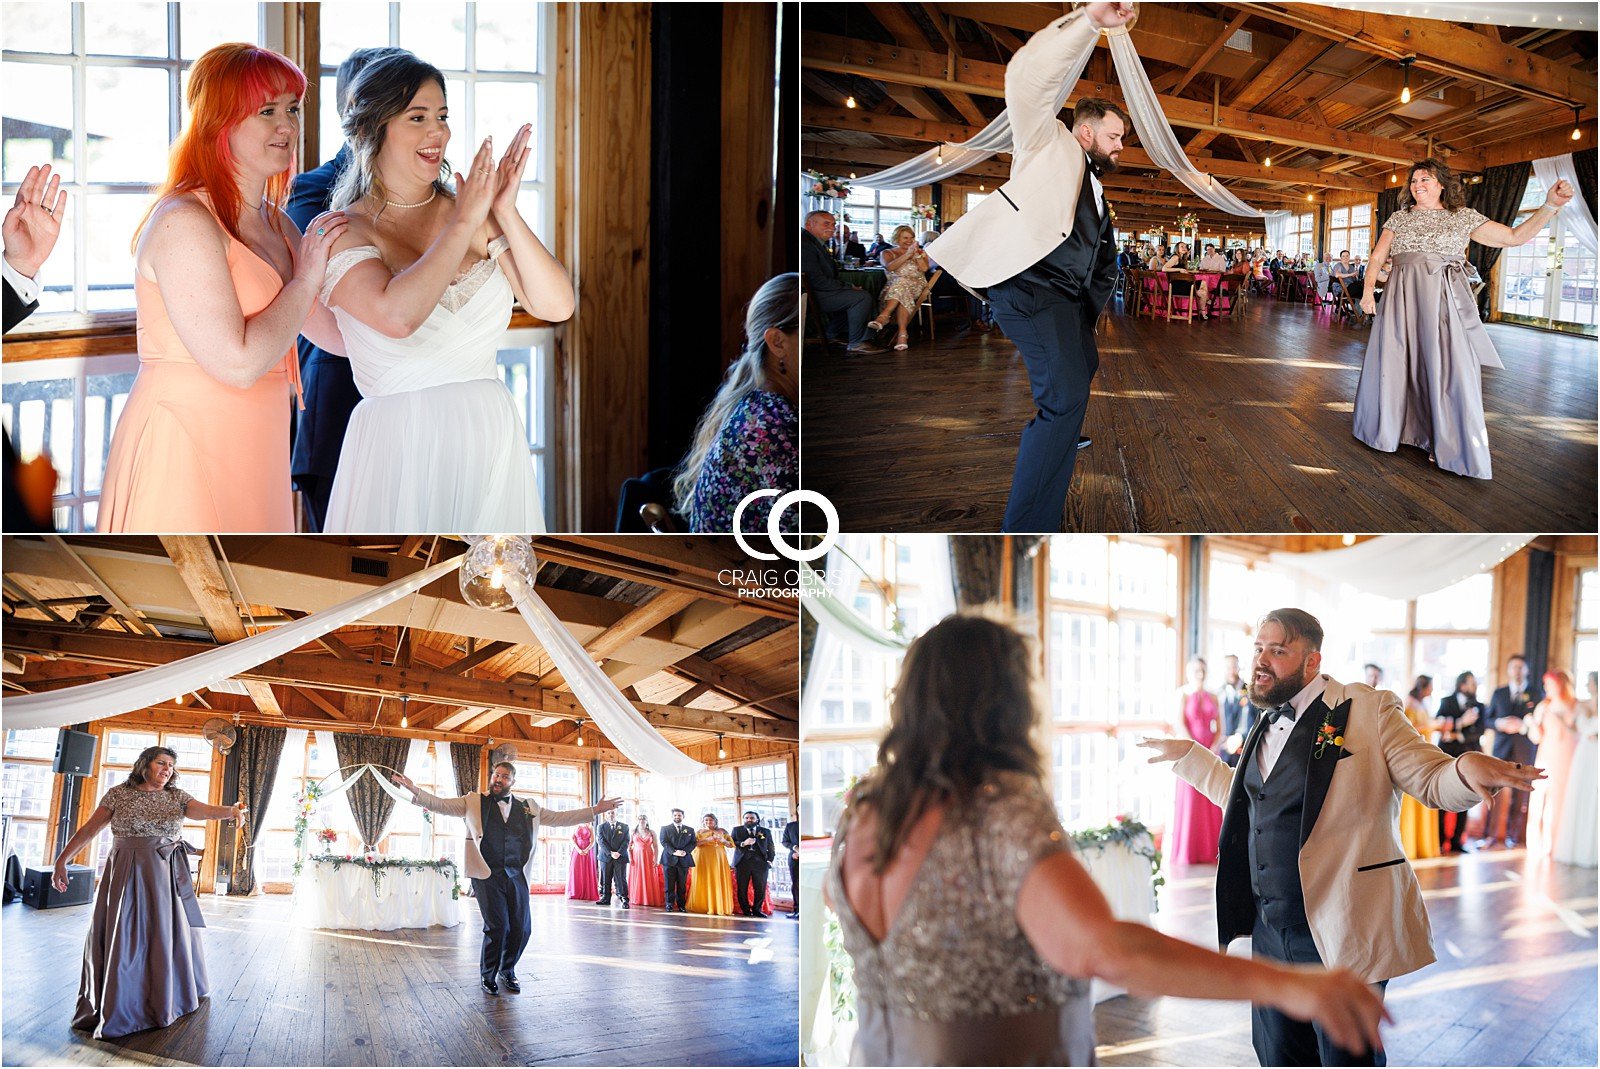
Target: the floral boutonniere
pixel 1327 735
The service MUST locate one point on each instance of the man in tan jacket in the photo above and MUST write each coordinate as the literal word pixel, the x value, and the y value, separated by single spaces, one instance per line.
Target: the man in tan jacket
pixel 502 831
pixel 1310 864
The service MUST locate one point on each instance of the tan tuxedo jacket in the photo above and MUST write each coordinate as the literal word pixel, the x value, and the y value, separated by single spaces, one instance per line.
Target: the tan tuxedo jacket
pixel 469 807
pixel 1033 212
pixel 1361 895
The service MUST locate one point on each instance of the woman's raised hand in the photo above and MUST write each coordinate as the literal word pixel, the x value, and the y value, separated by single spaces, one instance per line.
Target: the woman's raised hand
pixel 508 177
pixel 239 809
pixel 311 263
pixel 475 187
pixel 1559 194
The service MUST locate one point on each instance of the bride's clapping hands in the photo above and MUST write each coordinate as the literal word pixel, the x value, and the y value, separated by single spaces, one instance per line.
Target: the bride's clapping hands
pixel 508 178
pixel 475 188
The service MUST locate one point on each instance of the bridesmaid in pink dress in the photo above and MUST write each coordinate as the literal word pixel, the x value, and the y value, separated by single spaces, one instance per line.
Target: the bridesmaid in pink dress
pixel 646 886
pixel 1196 822
pixel 223 283
pixel 583 880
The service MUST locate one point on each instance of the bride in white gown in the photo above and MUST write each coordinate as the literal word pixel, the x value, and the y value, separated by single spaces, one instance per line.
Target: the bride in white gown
pixel 422 287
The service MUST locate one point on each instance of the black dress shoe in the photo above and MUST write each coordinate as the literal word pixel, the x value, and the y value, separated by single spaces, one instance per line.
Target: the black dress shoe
pixel 793 916
pixel 1084 441
pixel 490 986
pixel 510 982
pixel 624 905
pixel 603 902
pixel 682 910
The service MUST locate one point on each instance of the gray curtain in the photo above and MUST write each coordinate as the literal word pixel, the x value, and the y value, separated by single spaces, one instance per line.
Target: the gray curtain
pixel 259 749
pixel 1498 196
pixel 464 760
pixel 1024 562
pixel 369 803
pixel 975 567
pixel 1388 204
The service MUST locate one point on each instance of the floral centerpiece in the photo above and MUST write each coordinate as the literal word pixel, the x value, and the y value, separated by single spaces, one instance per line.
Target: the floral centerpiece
pixel 1130 832
pixel 926 212
pixel 821 185
pixel 327 837
pixel 1188 221
pixel 305 804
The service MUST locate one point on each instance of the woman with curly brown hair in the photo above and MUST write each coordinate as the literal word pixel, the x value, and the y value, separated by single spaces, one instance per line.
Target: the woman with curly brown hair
pixel 973 928
pixel 1421 382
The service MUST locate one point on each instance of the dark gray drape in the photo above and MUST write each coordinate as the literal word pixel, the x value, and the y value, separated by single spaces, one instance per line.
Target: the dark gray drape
pixel 975 566
pixel 1388 204
pixel 1497 197
pixel 1541 597
pixel 1583 163
pixel 465 757
pixel 259 750
pixel 1025 551
pixel 370 804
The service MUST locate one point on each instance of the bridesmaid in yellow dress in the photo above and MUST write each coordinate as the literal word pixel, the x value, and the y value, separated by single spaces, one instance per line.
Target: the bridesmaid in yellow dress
pixel 1419 825
pixel 223 283
pixel 712 891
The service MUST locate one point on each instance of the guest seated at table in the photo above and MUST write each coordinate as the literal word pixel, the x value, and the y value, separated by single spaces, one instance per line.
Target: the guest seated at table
pixel 1345 268
pixel 906 266
pixel 877 246
pixel 1213 260
pixel 1322 275
pixel 748 439
pixel 824 287
pixel 1197 289
pixel 853 249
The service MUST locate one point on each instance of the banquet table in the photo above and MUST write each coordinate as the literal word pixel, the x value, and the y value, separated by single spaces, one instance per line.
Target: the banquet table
pixel 1122 875
pixel 346 897
pixel 871 279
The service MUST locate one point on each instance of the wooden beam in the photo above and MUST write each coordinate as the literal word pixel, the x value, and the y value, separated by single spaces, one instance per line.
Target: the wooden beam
pixel 658 610
pixel 328 673
pixel 1211 50
pixel 1440 46
pixel 472 660
pixel 201 572
pixel 738 686
pixel 131 618
pixel 320 702
pixel 1291 61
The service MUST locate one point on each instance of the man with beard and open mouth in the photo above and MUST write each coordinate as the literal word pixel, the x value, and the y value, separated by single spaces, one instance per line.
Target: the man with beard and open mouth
pixel 502 830
pixel 1310 864
pixel 1041 253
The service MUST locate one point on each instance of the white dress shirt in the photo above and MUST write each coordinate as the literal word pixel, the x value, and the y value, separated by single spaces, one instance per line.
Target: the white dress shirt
pixel 25 287
pixel 1099 190
pixel 1277 732
pixel 505 808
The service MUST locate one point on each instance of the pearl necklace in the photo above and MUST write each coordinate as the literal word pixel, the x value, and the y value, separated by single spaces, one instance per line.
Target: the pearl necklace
pixel 396 204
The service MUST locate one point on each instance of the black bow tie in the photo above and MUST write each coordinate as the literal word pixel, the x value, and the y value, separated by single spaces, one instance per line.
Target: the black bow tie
pixel 1094 166
pixel 1284 710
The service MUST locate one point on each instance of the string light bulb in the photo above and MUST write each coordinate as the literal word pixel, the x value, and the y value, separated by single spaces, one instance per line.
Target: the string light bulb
pixel 1267 162
pixel 938 155
pixel 1577 130
pixel 980 187
pixel 852 176
pixel 405 703
pixel 1405 90
pixel 722 752
pixel 850 102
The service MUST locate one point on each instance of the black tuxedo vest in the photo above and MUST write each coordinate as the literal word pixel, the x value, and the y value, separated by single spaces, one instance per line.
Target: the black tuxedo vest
pixel 506 844
pixel 1072 266
pixel 1277 808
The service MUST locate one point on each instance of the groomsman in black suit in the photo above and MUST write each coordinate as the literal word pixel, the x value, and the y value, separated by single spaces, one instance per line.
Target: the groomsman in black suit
pixel 613 860
pixel 1238 715
pixel 752 856
pixel 791 842
pixel 1461 717
pixel 677 858
pixel 1511 714
pixel 326 382
pixel 32 225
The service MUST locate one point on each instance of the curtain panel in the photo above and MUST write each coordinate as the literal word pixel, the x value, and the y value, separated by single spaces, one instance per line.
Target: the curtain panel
pixel 370 804
pixel 259 749
pixel 1498 196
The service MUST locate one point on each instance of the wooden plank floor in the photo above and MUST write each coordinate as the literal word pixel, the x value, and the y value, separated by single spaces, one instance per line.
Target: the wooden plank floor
pixel 599 987
pixel 1514 983
pixel 1234 425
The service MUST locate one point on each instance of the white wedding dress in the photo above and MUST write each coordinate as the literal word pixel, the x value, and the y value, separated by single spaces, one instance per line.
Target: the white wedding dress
pixel 437 443
pixel 1576 835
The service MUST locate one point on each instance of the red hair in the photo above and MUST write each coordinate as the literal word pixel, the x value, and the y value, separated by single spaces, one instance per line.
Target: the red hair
pixel 1559 683
pixel 226 84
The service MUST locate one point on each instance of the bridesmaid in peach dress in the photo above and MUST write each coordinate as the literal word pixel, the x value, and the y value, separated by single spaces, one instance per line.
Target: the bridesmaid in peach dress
pixel 221 292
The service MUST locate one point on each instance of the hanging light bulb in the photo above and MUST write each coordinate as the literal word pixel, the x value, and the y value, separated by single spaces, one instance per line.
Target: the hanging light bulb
pixel 1405 90
pixel 980 187
pixel 1393 178
pixel 580 731
pixel 1308 196
pixel 1267 162
pixel 849 102
pixel 1348 539
pixel 182 699
pixel 938 154
pixel 493 567
pixel 722 753
pixel 852 176
pixel 1577 131
pixel 405 703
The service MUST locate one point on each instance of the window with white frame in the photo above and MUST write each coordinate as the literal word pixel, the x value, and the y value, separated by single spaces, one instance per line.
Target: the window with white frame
pixel 1302 234
pixel 870 212
pixel 1111 662
pixel 1350 228
pixel 764 787
pixel 1586 632
pixel 25 792
pixel 554 785
pixel 1550 280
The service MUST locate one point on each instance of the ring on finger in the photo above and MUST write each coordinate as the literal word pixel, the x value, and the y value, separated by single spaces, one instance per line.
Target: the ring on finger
pixel 321 231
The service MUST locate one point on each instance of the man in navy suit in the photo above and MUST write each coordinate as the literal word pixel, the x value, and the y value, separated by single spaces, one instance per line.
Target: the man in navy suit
pixel 1511 715
pixel 329 388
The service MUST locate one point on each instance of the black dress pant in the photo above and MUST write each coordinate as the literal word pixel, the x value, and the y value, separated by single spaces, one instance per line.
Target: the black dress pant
pixel 1055 335
pixel 614 869
pixel 1280 1039
pixel 507 920
pixel 747 876
pixel 794 882
pixel 677 880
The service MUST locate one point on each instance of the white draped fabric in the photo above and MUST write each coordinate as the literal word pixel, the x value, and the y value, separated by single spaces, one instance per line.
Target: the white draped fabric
pixel 1124 878
pixel 1533 13
pixel 1406 566
pixel 1278 233
pixel 611 711
pixel 152 686
pixel 1575 216
pixel 346 898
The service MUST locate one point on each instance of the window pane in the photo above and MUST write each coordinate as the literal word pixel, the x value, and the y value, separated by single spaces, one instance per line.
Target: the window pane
pixel 126 119
pixel 350 25
pixel 1443 659
pixel 499 111
pixel 1078 566
pixel 204 25
pixel 123 747
pixel 1462 607
pixel 27 789
pixel 112 220
pixel 1589 600
pixel 38 117
pixel 329 134
pixel 508 37
pixel 125 29
pixel 33 742
pixel 38 28
pixel 27 840
pixel 437 31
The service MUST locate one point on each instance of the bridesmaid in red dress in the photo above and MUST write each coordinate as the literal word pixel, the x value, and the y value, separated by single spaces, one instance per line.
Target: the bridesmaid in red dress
pixel 645 884
pixel 583 881
pixel 1196 822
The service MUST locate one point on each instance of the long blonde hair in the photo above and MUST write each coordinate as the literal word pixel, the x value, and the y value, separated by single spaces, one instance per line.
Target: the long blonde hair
pixel 776 304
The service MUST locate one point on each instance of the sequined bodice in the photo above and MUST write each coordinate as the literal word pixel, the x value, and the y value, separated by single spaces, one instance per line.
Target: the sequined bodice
pixel 136 812
pixel 955 949
pixel 1439 231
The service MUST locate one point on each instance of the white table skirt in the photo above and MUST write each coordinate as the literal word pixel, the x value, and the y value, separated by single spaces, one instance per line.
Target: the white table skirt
pixel 345 898
pixel 1122 876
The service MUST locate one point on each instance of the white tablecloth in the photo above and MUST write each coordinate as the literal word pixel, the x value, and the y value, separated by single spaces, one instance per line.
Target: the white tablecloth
pixel 1122 876
pixel 346 898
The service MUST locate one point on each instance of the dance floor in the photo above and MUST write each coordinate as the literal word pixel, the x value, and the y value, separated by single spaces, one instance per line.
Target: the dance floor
pixel 1514 983
pixel 1225 426
pixel 599 987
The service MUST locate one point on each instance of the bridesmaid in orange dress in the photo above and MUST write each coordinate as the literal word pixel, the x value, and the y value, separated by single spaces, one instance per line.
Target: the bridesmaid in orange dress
pixel 223 284
pixel 645 883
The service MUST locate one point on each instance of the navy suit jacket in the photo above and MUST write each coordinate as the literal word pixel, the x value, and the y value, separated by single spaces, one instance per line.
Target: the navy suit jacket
pixel 1514 747
pixel 329 388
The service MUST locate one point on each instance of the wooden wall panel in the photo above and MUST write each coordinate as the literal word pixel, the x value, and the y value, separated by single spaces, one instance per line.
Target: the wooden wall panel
pixel 749 59
pixel 1508 622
